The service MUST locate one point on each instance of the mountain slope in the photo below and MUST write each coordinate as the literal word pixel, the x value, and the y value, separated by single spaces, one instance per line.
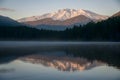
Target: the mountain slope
pixel 65 14
pixel 48 21
pixel 6 21
pixel 81 19
pixel 117 14
pixel 51 24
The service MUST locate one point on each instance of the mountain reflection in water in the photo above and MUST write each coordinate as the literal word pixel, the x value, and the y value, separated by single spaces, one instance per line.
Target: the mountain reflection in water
pixel 62 63
pixel 59 60
pixel 65 56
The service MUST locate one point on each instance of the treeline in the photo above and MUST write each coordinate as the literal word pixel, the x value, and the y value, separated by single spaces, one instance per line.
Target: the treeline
pixel 108 30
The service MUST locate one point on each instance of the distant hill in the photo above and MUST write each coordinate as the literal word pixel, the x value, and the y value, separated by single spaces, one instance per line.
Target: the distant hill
pixel 6 21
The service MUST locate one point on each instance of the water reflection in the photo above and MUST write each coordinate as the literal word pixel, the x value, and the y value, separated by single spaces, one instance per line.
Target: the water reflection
pixel 62 63
pixel 43 61
pixel 105 52
pixel 5 70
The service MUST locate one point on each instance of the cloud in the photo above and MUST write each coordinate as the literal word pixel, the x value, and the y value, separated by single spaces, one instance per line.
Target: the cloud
pixel 7 9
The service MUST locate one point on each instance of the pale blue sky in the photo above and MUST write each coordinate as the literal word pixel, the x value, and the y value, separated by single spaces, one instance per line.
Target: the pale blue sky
pixel 23 8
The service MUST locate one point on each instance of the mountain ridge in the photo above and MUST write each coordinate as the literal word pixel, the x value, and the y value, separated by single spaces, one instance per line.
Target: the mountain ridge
pixel 116 14
pixel 64 14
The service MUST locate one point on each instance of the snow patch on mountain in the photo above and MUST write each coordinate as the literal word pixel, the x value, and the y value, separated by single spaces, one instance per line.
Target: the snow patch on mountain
pixel 64 14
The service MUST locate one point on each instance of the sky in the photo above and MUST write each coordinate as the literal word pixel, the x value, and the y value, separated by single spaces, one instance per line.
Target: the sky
pixel 17 9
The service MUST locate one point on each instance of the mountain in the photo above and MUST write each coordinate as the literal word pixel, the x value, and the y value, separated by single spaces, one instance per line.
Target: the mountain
pixel 81 19
pixel 64 14
pixel 6 21
pixel 51 24
pixel 116 14
pixel 62 18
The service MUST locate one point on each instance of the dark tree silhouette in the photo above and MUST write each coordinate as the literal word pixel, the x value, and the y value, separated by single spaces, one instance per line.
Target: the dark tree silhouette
pixel 107 30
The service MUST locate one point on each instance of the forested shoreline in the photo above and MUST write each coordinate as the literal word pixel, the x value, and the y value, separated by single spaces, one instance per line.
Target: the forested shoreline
pixel 107 30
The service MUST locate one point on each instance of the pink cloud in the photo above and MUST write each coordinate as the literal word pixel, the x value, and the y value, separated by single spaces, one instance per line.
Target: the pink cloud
pixel 7 9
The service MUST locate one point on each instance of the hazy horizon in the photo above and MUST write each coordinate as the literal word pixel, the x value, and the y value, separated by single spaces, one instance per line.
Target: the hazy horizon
pixel 18 8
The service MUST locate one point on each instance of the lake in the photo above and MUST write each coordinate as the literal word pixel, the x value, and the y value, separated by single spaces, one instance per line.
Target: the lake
pixel 35 60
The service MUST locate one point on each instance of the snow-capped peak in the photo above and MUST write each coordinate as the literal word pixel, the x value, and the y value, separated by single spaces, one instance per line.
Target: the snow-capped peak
pixel 64 14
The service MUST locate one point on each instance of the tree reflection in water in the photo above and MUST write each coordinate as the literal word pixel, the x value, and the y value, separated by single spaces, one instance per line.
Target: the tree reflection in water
pixel 65 57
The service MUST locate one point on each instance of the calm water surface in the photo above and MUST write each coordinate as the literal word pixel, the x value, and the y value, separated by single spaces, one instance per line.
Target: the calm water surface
pixel 28 60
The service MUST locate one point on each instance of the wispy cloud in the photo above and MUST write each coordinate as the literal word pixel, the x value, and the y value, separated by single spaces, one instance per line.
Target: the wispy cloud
pixel 7 9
